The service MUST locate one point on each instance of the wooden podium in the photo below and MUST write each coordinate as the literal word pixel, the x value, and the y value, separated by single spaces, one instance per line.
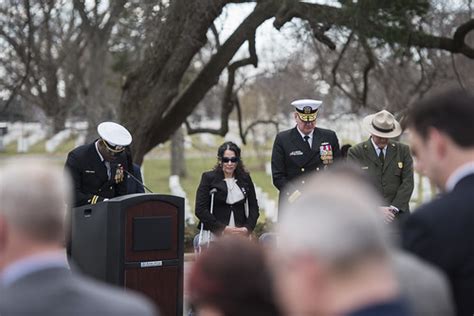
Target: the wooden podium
pixel 135 241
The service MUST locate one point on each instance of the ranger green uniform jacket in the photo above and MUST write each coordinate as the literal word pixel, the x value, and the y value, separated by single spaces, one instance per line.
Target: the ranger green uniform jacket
pixel 395 179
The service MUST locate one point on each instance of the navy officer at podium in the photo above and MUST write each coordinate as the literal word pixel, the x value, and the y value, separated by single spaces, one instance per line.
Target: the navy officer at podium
pixel 98 168
pixel 302 149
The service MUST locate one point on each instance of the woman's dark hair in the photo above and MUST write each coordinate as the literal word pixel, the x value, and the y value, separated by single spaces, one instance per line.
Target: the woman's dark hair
pixel 240 169
pixel 233 276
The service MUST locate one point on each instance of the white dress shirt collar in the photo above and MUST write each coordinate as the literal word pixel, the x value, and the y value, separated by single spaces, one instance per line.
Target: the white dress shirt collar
pixel 458 174
pixel 31 264
pixel 310 139
pixel 377 149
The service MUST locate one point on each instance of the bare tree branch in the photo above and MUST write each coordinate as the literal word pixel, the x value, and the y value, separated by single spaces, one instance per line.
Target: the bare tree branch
pixel 185 103
pixel 230 98
pixel 455 69
pixel 368 67
pixel 216 35
pixel 328 15
pixel 336 66
pixel 22 81
pixel 86 22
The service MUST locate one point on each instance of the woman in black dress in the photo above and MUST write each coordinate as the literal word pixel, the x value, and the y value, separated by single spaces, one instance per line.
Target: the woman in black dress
pixel 235 207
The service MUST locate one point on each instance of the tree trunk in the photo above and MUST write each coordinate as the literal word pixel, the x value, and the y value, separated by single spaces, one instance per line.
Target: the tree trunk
pixel 178 164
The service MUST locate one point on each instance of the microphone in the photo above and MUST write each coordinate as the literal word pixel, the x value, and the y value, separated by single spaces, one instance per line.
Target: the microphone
pixel 136 180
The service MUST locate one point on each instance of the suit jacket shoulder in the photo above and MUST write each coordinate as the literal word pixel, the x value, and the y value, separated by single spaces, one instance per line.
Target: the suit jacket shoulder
pixel 58 291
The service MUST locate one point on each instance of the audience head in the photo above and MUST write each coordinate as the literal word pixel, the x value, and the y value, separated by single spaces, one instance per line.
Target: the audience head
pixel 229 159
pixel 231 278
pixel 329 237
pixel 33 197
pixel 442 133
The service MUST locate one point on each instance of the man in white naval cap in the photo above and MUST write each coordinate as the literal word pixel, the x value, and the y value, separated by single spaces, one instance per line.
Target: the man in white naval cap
pixel 302 149
pixel 97 168
pixel 387 162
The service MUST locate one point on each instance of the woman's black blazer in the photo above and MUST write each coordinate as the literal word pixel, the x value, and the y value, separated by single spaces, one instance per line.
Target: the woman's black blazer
pixel 216 222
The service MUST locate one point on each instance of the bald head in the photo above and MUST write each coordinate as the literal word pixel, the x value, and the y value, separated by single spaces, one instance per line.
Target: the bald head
pixel 33 198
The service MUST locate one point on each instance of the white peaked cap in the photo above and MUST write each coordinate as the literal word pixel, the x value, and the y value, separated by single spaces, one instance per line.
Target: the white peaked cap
pixel 114 134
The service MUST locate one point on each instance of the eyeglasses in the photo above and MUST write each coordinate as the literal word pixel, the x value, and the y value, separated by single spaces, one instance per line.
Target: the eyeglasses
pixel 231 159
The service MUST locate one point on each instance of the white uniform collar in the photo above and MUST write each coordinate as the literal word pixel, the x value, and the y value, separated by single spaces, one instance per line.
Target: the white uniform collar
pixel 458 174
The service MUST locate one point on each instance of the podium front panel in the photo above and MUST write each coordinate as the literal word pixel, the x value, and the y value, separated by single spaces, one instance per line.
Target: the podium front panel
pixel 157 238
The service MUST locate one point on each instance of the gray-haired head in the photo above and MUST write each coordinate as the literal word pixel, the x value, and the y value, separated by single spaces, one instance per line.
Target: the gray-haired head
pixel 336 220
pixel 33 198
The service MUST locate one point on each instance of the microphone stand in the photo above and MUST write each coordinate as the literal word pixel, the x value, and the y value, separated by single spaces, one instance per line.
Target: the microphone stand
pixel 136 180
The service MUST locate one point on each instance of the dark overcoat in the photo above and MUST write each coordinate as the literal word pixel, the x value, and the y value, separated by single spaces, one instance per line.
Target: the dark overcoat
pixel 441 232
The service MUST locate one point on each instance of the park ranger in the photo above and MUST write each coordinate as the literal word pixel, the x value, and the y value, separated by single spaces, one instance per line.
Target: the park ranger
pixel 387 162
pixel 302 149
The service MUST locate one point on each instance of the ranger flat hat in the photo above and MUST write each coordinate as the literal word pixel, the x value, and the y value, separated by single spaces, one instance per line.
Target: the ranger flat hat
pixel 382 124
pixel 115 135
pixel 307 109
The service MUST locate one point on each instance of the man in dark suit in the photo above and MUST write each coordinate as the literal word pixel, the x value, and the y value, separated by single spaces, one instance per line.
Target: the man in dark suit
pixel 302 149
pixel 97 169
pixel 388 163
pixel 34 275
pixel 441 232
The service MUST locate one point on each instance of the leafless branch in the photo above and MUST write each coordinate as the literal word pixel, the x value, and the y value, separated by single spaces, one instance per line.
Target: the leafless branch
pixel 216 35
pixel 368 67
pixel 456 72
pixel 258 122
pixel 22 81
pixel 230 98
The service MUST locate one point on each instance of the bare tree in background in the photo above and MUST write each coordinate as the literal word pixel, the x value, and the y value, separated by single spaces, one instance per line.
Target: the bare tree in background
pixel 158 95
pixel 39 45
pixel 154 103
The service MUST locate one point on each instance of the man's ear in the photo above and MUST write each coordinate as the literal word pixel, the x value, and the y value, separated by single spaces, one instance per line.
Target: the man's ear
pixel 438 141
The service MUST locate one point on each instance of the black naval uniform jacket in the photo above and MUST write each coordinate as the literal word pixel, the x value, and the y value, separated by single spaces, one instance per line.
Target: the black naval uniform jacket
pixel 292 158
pixel 216 222
pixel 89 175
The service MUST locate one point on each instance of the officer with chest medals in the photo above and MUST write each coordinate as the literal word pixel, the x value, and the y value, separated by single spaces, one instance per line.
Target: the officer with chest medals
pixel 97 169
pixel 302 149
